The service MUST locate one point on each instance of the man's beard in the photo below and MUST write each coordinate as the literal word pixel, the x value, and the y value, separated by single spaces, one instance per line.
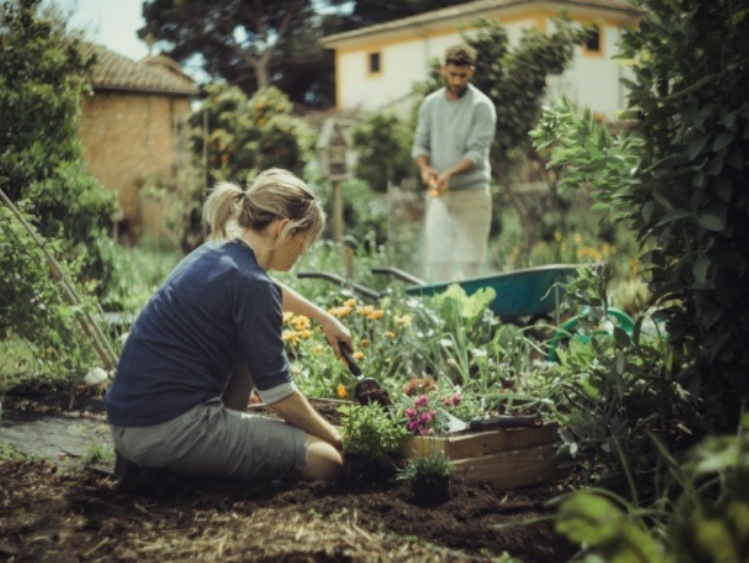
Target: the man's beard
pixel 457 91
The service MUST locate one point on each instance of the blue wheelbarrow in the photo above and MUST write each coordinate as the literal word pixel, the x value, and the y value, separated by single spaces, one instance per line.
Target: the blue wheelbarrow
pixel 529 294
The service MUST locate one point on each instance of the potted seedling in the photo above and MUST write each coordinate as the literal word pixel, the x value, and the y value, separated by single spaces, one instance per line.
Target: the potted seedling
pixel 429 476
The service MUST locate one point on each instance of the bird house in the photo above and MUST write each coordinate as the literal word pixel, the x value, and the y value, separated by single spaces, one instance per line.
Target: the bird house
pixel 332 150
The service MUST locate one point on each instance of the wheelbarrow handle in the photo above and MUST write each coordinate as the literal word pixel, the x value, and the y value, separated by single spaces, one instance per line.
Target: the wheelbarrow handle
pixel 341 282
pixel 398 273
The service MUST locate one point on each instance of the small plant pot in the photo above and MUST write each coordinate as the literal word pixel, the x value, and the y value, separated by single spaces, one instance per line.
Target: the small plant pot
pixel 431 490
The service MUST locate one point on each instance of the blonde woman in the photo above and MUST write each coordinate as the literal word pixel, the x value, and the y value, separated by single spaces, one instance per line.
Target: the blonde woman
pixel 211 332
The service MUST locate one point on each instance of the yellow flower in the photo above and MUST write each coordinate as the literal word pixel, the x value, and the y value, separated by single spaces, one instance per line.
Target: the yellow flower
pixel 304 334
pixel 390 335
pixel 365 310
pixel 342 391
pixel 290 336
pixel 301 322
pixel 557 236
pixel 358 356
pixel 365 342
pixel 403 320
pixel 287 316
pixel 319 349
pixel 578 238
pixel 351 303
pixel 374 315
pixel 340 311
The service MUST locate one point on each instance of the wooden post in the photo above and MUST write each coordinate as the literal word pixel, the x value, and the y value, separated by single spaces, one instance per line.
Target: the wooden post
pixel 337 212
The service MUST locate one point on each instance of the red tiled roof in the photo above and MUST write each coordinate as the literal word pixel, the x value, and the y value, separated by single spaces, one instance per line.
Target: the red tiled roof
pixel 157 74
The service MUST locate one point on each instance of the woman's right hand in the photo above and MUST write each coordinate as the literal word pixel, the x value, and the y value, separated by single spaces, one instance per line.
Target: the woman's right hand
pixel 336 332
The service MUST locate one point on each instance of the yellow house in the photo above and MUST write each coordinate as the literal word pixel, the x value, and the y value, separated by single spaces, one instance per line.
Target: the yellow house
pixel 133 131
pixel 377 65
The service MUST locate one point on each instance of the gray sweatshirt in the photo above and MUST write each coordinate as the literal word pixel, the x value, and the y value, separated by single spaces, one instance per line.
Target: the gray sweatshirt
pixel 450 130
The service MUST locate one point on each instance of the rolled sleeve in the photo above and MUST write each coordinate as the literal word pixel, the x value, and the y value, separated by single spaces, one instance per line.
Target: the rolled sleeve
pixel 277 393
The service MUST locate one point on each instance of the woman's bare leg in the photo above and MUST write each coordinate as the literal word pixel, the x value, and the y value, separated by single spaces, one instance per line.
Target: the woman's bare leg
pixel 324 462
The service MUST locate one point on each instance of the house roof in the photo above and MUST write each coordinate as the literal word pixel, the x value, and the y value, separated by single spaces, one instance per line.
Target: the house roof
pixel 476 9
pixel 157 74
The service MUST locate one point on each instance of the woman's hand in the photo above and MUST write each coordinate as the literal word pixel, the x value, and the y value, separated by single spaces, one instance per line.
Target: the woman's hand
pixel 335 332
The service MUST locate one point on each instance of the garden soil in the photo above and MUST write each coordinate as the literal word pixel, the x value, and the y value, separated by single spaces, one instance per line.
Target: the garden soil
pixel 59 505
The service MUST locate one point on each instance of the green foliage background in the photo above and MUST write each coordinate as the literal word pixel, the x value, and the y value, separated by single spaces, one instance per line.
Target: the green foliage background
pixel 690 193
pixel 43 77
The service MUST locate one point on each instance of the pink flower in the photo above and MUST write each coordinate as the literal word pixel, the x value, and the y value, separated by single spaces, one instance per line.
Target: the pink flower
pixel 421 401
pixel 411 412
pixel 456 399
pixel 413 426
pixel 425 418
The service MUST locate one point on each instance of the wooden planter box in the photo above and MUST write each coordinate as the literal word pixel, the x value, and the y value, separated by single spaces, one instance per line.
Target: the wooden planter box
pixel 505 457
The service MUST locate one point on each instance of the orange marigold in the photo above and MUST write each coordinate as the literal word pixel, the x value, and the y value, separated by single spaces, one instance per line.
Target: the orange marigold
pixel 342 391
pixel 374 315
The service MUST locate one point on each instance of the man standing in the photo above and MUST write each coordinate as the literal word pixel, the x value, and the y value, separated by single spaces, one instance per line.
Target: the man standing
pixel 455 130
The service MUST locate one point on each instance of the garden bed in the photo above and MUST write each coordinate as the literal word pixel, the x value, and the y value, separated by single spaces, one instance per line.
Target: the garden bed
pixel 508 457
pixel 51 514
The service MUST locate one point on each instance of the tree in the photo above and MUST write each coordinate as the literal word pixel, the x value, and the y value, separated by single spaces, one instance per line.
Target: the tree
pixel 249 44
pixel 371 12
pixel 259 44
pixel 43 75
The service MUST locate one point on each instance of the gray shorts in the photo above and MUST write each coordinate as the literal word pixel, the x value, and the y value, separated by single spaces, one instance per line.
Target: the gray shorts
pixel 211 440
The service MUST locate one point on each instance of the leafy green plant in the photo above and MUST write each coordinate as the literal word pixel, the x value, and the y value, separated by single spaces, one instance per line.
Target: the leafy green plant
pixel 691 184
pixel 370 432
pixel 702 514
pixel 100 454
pixel 615 389
pixel 433 466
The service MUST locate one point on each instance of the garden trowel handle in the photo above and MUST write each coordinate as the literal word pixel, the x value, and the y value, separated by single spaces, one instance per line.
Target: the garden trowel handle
pixel 506 422
pixel 352 365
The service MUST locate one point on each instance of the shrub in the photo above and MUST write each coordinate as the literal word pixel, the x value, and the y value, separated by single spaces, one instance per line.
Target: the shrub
pixel 383 145
pixel 690 190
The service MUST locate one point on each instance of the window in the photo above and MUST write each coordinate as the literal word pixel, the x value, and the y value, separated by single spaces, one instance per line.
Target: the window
pixel 374 63
pixel 593 43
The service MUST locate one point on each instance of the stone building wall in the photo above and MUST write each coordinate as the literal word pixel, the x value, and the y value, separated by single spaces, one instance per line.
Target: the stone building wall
pixel 130 138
